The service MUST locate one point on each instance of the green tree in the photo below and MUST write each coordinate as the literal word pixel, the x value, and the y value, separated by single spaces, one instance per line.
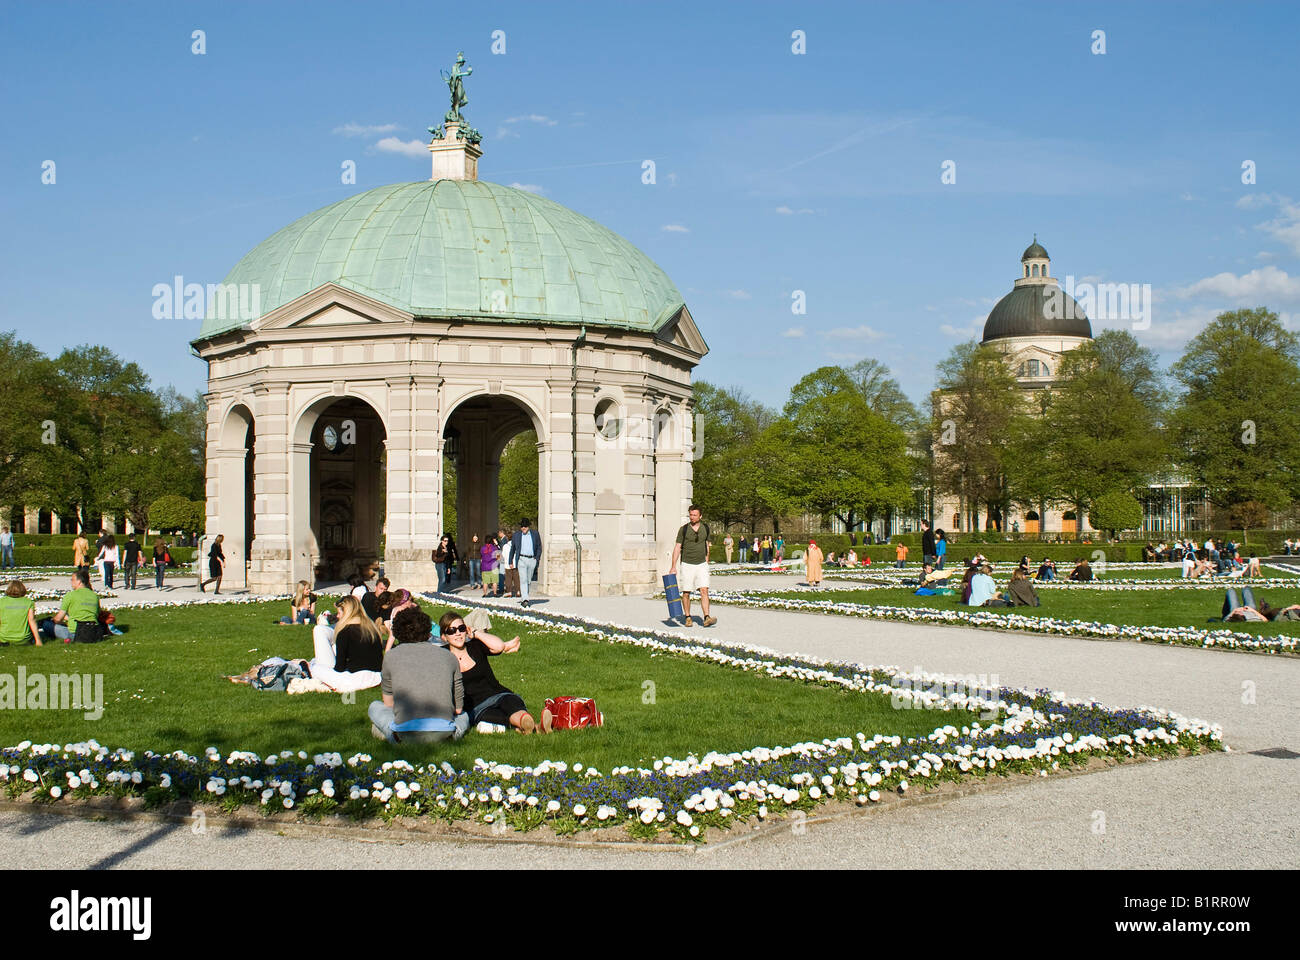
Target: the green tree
pixel 1101 427
pixel 171 513
pixel 882 393
pixel 1114 511
pixel 728 473
pixel 1237 423
pixel 517 484
pixel 976 409
pixel 1249 514
pixel 843 458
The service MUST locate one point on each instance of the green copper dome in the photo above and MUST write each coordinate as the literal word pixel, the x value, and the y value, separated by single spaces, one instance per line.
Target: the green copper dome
pixel 461 248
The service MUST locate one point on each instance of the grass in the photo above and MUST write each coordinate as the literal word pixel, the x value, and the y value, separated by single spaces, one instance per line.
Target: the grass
pixel 1155 608
pixel 164 689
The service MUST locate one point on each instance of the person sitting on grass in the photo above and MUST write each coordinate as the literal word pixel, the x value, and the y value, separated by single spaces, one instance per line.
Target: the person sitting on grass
pixel 421 681
pixel 1252 567
pixel 1082 572
pixel 966 578
pixel 1046 570
pixel 18 616
pixel 358 644
pixel 983 591
pixel 80 605
pixel 302 609
pixel 1025 563
pixel 1020 591
pixel 486 700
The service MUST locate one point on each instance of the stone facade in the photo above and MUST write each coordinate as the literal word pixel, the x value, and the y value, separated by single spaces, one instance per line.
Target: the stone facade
pixel 275 386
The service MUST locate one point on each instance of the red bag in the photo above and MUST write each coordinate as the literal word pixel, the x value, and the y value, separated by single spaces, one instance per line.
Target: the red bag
pixel 569 713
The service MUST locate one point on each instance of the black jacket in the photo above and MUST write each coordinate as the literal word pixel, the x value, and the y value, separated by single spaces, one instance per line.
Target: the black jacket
pixel 927 544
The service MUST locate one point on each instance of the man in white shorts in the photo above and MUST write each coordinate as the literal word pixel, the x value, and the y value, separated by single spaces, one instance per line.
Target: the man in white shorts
pixel 692 550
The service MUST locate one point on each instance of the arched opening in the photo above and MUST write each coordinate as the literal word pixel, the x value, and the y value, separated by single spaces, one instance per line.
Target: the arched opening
pixel 231 511
pixel 44 522
pixel 493 474
pixel 1069 522
pixel 1032 522
pixel 341 530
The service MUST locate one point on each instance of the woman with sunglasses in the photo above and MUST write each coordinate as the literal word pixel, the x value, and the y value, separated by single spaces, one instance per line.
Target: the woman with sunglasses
pixel 486 700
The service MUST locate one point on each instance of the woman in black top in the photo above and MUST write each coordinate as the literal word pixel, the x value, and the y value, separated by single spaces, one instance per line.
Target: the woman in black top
pixel 216 565
pixel 159 562
pixel 358 644
pixel 486 700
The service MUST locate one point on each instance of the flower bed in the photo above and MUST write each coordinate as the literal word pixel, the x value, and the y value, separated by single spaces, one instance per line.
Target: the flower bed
pixel 1031 732
pixel 994 620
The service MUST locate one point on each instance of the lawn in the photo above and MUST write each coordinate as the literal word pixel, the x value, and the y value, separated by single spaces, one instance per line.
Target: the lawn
pixel 1156 608
pixel 164 689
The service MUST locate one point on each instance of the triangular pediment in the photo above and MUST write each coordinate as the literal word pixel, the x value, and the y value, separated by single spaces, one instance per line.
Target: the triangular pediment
pixel 682 332
pixel 331 305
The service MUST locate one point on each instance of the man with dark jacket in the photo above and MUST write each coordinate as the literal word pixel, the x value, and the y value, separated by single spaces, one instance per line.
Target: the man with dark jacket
pixel 526 551
pixel 929 554
pixel 130 562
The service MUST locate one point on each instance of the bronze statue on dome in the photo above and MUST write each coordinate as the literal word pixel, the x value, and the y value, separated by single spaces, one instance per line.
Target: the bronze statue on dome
pixel 455 81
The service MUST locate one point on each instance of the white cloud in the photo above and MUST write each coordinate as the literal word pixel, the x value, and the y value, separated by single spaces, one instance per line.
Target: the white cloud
pixel 790 211
pixel 533 118
pixel 794 333
pixel 408 148
pixel 861 332
pixel 974 328
pixel 1261 284
pixel 739 295
pixel 675 228
pixel 530 187
pixel 1286 227
pixel 363 130
pixel 1254 201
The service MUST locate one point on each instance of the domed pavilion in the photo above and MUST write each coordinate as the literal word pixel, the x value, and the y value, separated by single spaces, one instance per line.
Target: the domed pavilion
pixel 440 319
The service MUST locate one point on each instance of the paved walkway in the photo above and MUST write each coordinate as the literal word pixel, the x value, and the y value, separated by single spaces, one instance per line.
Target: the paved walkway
pixel 1230 810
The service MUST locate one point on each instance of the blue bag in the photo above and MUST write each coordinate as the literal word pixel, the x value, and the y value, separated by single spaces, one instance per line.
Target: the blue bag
pixel 674 596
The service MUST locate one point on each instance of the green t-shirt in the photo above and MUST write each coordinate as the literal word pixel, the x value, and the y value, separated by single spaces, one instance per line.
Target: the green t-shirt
pixel 695 543
pixel 81 606
pixel 13 619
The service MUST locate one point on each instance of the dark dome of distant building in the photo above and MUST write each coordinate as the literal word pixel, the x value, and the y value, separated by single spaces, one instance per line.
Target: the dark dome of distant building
pixel 1037 306
pixel 1037 311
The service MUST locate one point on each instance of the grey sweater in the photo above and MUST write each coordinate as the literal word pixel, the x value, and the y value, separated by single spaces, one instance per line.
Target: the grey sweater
pixel 424 681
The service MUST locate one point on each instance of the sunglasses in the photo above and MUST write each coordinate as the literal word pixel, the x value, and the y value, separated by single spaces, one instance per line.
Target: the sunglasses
pixel 461 629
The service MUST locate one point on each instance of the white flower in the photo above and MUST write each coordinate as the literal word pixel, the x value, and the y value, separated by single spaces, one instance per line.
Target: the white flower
pixel 579 809
pixel 56 792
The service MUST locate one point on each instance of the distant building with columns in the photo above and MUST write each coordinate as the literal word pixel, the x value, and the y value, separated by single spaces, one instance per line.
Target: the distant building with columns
pixel 423 324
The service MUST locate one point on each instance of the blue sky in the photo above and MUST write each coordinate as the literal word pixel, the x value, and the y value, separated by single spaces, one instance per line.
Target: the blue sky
pixel 776 172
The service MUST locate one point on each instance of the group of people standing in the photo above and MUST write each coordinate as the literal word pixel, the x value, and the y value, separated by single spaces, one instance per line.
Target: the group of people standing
pixel 765 549
pixel 129 558
pixel 502 565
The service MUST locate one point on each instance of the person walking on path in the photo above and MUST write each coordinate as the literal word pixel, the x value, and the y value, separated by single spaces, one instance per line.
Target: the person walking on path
pixel 107 559
pixel 727 544
pixel 130 562
pixel 80 551
pixel 216 565
pixel 474 554
pixel 928 552
pixel 6 549
pixel 488 564
pixel 692 551
pixel 442 562
pixel 814 562
pixel 159 562
pixel 526 550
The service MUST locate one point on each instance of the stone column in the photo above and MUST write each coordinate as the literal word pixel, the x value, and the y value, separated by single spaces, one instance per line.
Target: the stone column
pixel 270 558
pixel 31 520
pixel 303 494
pixel 414 484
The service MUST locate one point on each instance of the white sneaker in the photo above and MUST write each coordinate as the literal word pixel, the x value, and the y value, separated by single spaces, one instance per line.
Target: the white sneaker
pixel 484 727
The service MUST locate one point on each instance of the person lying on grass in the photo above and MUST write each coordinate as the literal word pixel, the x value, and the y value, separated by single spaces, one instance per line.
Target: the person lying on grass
pixel 1264 612
pixel 421 681
pixel 486 700
pixel 302 609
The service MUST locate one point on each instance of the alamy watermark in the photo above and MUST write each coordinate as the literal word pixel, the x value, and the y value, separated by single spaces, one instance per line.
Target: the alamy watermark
pixel 195 301
pixel 53 691
pixel 926 693
pixel 1100 301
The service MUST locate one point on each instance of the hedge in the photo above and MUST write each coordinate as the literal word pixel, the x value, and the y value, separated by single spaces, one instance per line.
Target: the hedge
pixel 26 556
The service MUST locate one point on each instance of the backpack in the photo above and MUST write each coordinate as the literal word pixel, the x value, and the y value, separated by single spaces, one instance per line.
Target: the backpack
pixel 570 713
pixel 706 533
pixel 89 631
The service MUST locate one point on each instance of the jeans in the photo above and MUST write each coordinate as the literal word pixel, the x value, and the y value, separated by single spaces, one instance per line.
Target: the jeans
pixel 159 569
pixel 129 571
pixel 475 570
pixel 54 631
pixel 744 554
pixel 108 575
pixel 383 717
pixel 442 576
pixel 7 556
pixel 900 564
pixel 939 565
pixel 527 567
